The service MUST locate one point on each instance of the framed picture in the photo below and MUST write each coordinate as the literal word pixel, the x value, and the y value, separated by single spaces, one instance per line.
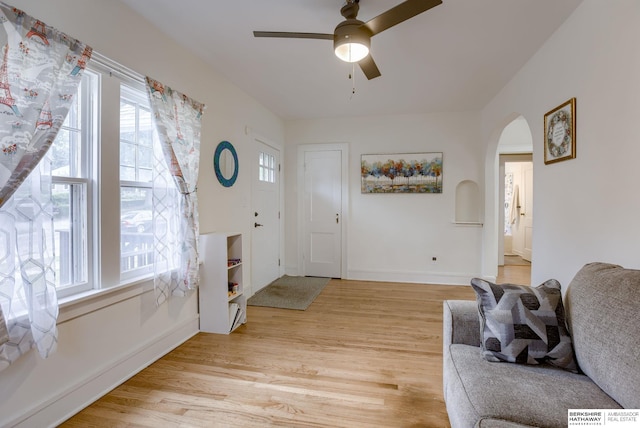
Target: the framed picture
pixel 560 133
pixel 402 173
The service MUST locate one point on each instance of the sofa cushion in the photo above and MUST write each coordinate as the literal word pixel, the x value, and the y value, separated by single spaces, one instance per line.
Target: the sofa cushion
pixel 531 395
pixel 603 314
pixel 522 324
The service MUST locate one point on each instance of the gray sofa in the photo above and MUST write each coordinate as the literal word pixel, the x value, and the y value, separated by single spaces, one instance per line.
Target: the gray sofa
pixel 602 306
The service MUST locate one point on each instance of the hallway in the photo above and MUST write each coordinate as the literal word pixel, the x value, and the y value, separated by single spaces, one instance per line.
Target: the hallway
pixel 515 274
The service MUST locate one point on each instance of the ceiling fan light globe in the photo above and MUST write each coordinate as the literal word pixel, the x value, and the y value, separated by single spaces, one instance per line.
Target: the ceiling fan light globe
pixel 352 52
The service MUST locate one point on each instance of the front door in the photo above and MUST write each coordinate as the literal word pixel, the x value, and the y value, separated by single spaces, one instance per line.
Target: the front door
pixel 265 221
pixel 323 213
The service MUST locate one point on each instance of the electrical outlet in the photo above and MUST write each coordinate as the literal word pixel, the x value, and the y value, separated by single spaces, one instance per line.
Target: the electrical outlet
pixel 434 259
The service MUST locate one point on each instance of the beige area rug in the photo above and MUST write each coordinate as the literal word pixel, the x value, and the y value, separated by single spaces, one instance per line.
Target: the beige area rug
pixel 289 292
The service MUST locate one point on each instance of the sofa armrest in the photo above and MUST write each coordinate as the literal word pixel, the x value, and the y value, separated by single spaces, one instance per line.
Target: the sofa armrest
pixel 460 323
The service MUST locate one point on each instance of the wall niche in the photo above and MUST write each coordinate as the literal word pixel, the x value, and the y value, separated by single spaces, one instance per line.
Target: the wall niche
pixel 468 203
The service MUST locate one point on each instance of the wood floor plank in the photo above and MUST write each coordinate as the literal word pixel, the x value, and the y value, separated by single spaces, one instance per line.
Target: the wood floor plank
pixel 364 354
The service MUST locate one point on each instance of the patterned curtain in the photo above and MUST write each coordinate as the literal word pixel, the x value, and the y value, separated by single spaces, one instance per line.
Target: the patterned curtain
pixel 178 122
pixel 40 73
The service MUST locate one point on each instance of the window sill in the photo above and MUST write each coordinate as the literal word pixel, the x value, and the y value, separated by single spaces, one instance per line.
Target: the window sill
pixel 83 303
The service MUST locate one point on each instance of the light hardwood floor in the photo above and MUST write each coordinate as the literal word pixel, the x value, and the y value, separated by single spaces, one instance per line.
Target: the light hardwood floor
pixel 364 354
pixel 520 274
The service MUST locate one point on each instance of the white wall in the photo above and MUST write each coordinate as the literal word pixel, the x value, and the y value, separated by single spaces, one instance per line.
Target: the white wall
pixel 585 208
pixel 516 137
pixel 394 236
pixel 100 349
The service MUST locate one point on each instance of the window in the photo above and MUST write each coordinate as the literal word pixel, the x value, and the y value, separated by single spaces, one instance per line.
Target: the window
pixel 99 229
pixel 267 168
pixel 102 172
pixel 72 179
pixel 136 179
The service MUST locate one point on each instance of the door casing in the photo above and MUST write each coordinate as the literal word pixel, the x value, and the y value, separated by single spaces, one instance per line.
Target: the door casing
pixel 258 141
pixel 344 149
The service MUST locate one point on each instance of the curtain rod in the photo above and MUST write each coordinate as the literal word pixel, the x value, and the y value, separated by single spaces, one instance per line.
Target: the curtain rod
pixel 114 67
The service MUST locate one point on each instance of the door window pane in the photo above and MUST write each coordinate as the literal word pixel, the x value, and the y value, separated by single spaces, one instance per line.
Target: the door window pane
pixel 266 168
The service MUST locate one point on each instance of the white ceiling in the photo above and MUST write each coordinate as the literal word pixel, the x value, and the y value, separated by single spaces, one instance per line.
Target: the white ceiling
pixel 454 57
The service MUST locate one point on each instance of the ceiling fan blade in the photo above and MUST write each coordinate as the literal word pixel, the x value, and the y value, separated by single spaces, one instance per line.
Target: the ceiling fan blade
pixel 398 14
pixel 286 35
pixel 369 67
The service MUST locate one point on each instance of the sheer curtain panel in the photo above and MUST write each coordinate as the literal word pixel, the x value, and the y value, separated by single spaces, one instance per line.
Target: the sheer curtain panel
pixel 39 76
pixel 178 122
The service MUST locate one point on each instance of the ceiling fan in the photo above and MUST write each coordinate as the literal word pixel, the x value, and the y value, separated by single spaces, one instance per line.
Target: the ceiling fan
pixel 352 37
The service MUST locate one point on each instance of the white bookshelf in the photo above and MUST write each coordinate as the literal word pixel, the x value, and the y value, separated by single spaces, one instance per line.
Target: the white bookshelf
pixel 221 255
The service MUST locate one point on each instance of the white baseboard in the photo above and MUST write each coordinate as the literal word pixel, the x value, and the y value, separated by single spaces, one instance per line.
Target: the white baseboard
pixel 70 401
pixel 445 278
pixel 291 270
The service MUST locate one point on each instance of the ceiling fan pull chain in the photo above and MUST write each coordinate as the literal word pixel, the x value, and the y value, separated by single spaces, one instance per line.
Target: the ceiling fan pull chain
pixel 352 76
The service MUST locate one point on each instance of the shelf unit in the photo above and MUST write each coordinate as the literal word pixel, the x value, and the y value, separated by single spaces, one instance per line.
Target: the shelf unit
pixel 221 255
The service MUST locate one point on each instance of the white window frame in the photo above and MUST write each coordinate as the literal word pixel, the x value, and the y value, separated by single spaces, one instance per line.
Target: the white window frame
pixel 83 183
pixel 107 287
pixel 136 95
pixel 103 189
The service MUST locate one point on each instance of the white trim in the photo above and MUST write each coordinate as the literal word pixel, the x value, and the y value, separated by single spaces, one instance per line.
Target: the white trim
pixel 73 399
pixel 81 304
pixel 107 65
pixel 344 149
pixel 520 149
pixel 248 285
pixel 418 277
pixel 503 158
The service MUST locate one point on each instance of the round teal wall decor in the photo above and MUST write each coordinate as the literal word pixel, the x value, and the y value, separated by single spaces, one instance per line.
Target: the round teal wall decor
pixel 225 163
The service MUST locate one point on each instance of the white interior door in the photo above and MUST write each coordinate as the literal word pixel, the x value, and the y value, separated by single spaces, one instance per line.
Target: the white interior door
pixel 323 213
pixel 265 221
pixel 527 212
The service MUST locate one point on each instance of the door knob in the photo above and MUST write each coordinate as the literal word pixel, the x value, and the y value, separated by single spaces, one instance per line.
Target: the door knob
pixel 257 225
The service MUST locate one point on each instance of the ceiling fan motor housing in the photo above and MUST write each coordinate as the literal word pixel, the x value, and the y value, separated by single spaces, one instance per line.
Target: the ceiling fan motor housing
pixel 351 31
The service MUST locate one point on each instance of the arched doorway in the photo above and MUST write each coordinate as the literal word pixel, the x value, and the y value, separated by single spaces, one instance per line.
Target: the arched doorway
pixel 515 191
pixel 510 142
